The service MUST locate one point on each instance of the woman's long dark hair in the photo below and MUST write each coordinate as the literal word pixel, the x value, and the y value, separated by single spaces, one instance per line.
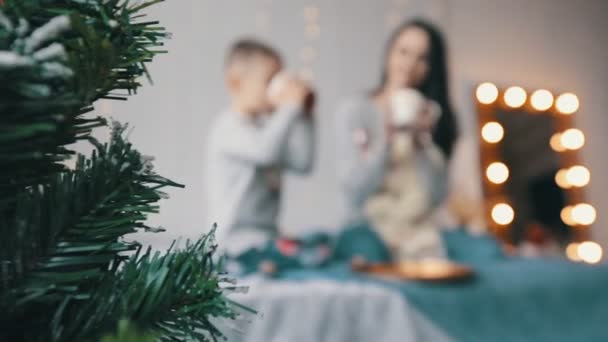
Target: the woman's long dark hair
pixel 435 86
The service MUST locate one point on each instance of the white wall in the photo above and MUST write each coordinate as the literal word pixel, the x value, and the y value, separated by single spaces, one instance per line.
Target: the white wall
pixel 559 45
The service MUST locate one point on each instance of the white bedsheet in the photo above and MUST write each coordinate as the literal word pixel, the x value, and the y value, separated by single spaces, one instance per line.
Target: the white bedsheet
pixel 327 311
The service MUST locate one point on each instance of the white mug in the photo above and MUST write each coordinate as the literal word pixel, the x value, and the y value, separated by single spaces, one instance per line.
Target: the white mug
pixel 405 105
pixel 277 83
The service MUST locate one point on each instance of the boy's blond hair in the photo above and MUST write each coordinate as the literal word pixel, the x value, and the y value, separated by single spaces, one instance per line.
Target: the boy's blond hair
pixel 244 50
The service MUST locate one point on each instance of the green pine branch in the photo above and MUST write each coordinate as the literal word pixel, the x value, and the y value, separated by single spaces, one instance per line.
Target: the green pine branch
pixel 56 58
pixel 69 265
pixel 66 271
pixel 69 230
pixel 170 294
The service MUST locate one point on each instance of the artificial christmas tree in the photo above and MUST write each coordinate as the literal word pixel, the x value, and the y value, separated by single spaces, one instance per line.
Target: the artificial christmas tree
pixel 67 272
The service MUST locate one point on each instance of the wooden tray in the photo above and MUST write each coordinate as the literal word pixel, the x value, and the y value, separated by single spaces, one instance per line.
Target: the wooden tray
pixel 424 270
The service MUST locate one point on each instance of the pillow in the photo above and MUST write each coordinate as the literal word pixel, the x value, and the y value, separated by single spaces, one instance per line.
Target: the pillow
pixel 464 247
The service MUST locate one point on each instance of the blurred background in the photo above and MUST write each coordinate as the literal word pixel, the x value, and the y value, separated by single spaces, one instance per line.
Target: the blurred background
pixel 549 44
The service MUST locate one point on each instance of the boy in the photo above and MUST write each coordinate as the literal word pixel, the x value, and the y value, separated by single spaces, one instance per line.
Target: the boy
pixel 252 143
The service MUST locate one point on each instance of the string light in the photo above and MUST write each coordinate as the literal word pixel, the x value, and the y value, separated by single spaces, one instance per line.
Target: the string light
pixel 308 54
pixel 556 143
pixel 311 13
pixel 587 251
pixel 567 103
pixel 503 214
pixel 312 32
pixel 306 74
pixel 542 100
pixel 497 173
pixel 492 132
pixel 583 214
pixel 515 97
pixel 578 176
pixel 486 93
pixel 590 252
pixel 566 216
pixel 572 251
pixel 561 180
pixel 572 139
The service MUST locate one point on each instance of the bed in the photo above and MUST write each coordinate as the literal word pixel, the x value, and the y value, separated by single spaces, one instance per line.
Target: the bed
pixel 510 299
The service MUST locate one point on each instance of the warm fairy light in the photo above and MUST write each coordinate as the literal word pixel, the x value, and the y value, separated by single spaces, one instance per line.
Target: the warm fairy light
pixel 542 99
pixel 584 214
pixel 311 13
pixel 567 103
pixel 502 214
pixel 561 180
pixel 590 252
pixel 572 139
pixel 497 173
pixel 578 176
pixel 306 74
pixel 308 54
pixel 492 132
pixel 566 216
pixel 486 93
pixel 515 97
pixel 572 251
pixel 556 143
pixel 313 31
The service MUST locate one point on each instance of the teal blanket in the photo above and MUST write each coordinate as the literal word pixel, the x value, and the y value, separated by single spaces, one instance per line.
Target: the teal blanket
pixel 510 299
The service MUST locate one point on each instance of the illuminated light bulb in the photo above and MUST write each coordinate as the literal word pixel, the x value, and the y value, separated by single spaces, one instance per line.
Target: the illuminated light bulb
pixel 311 13
pixel 515 97
pixel 542 100
pixel 313 31
pixel 590 252
pixel 492 132
pixel 572 251
pixel 306 74
pixel 578 176
pixel 486 93
pixel 567 103
pixel 497 173
pixel 556 143
pixel 584 214
pixel 503 214
pixel 566 216
pixel 561 180
pixel 308 54
pixel 572 139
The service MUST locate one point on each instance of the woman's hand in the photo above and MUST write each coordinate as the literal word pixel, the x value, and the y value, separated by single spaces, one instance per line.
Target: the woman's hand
pixel 427 117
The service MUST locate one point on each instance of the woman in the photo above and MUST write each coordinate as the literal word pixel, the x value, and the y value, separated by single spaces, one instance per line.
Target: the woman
pixel 393 177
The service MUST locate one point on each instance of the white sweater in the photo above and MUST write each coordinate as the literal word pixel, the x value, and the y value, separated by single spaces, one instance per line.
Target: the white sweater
pixel 245 159
pixel 396 191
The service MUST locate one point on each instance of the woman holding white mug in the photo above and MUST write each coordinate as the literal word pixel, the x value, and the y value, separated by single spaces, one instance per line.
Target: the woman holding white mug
pixel 394 144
